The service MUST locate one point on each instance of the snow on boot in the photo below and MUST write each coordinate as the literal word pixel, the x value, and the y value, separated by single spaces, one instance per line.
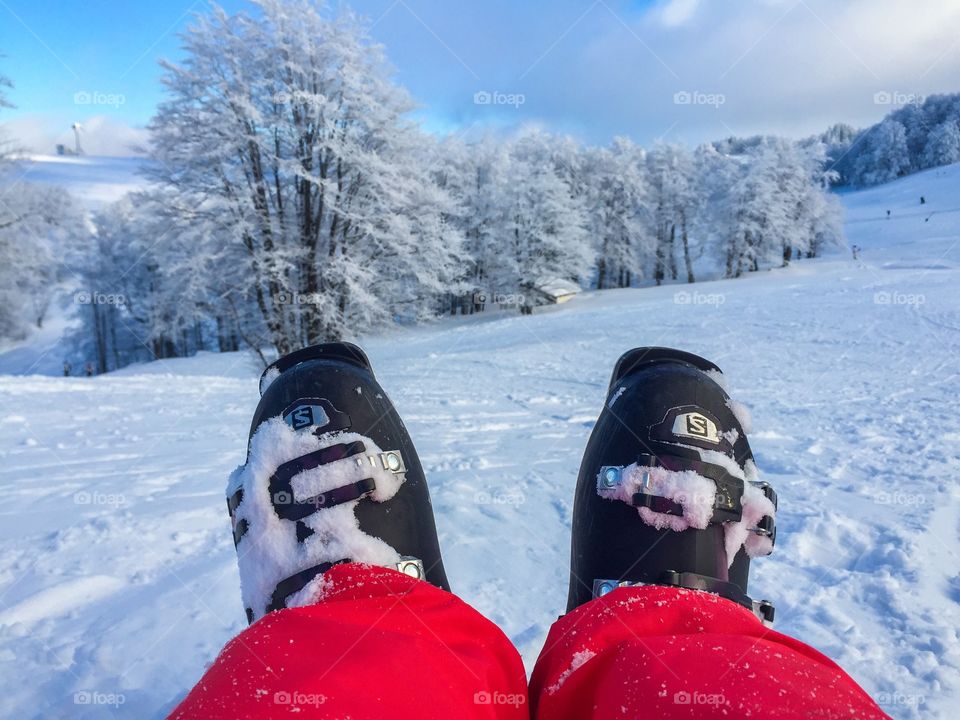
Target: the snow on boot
pixel 331 476
pixel 668 492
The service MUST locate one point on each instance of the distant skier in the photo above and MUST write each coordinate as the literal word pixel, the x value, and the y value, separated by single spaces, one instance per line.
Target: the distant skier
pixel 923 200
pixel 67 367
pixel 88 369
pixel 856 252
pixel 350 608
pixel 888 214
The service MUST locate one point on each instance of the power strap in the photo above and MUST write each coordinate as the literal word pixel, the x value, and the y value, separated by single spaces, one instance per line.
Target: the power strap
pixel 288 507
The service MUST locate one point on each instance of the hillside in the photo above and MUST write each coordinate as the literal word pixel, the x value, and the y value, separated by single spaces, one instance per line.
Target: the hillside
pixel 93 181
pixel 117 570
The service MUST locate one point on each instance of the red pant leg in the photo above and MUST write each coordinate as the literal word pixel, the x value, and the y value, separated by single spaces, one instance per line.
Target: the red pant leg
pixel 658 652
pixel 378 645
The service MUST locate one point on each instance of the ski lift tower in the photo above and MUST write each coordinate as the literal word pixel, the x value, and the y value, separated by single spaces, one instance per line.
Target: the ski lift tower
pixel 76 134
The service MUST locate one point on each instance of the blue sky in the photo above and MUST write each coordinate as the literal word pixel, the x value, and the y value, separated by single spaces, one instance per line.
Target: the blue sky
pixel 686 70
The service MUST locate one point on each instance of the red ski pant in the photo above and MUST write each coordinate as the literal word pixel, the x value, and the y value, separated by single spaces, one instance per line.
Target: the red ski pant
pixel 379 644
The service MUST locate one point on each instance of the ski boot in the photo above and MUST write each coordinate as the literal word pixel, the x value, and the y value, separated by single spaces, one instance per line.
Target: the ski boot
pixel 668 493
pixel 331 476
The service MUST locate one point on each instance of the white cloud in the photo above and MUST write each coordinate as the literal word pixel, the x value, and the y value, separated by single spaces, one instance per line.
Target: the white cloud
pixel 677 12
pixel 100 135
pixel 782 66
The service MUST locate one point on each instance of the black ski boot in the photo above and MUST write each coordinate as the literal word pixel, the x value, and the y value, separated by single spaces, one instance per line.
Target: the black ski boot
pixel 668 493
pixel 331 476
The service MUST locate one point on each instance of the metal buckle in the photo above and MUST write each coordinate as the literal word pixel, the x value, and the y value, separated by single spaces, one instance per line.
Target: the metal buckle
pixel 603 586
pixel 764 610
pixel 390 460
pixel 765 527
pixel 610 476
pixel 412 567
pixel 767 490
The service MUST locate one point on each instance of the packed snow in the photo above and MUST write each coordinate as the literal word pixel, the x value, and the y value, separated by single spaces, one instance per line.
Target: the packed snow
pixel 694 493
pixel 697 497
pixel 270 552
pixel 118 573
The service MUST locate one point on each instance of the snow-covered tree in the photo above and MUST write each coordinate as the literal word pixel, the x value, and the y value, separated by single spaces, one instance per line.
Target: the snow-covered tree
pixel 885 155
pixel 38 228
pixel 715 174
pixel 768 205
pixel 914 137
pixel 943 144
pixel 617 216
pixel 132 313
pixel 293 201
pixel 475 174
pixel 285 140
pixel 673 199
pixel 31 219
pixel 819 217
pixel 546 221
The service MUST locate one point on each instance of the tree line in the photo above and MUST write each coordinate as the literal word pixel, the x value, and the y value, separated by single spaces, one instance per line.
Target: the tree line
pixel 924 133
pixel 293 201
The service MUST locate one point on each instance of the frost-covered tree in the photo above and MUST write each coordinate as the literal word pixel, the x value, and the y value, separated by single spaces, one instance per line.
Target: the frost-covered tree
pixel 823 218
pixel 139 304
pixel 546 221
pixel 284 147
pixel 819 216
pixel 837 139
pixel 914 137
pixel 615 179
pixel 747 207
pixel 885 155
pixel 475 174
pixel 39 226
pixel 151 296
pixel 424 255
pixel 790 173
pixel 116 286
pixel 716 174
pixel 293 201
pixel 943 144
pixel 768 205
pixel 673 199
pixel 32 225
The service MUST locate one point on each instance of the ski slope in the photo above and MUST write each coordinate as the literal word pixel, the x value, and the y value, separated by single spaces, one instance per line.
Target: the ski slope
pixel 118 581
pixel 93 181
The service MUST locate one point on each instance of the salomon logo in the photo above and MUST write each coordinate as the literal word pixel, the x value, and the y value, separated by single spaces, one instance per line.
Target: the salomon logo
pixel 301 417
pixel 691 425
pixel 696 425
pixel 306 415
pixel 316 413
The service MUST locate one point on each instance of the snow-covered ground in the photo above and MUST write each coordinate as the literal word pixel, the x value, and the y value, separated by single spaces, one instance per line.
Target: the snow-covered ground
pixel 94 181
pixel 117 571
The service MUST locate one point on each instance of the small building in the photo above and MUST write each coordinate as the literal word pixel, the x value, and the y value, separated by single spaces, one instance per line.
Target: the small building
pixel 548 291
